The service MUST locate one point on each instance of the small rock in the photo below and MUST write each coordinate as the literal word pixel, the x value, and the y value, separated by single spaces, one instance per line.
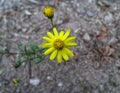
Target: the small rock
pixel 18 42
pixel 52 2
pixel 1 9
pixel 18 91
pixel 60 84
pixel 59 22
pixel 2 1
pixel 1 71
pixel 34 1
pixel 86 37
pixel 90 14
pixel 34 81
pixel 101 87
pixel 48 77
pixel 1 84
pixel 80 10
pixel 9 36
pixel 108 17
pixel 117 63
pixel 27 12
pixel 95 91
pixel 25 36
pixel 77 30
pixel 24 29
pixel 90 1
pixel 113 40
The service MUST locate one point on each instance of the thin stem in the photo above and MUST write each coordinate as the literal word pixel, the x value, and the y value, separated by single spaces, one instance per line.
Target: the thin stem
pixel 52 22
pixel 30 70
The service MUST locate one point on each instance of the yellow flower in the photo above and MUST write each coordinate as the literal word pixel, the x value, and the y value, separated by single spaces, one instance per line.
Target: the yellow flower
pixel 58 45
pixel 16 81
pixel 48 11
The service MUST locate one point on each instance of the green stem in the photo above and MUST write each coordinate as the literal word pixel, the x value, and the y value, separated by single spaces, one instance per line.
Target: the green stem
pixel 52 22
pixel 30 70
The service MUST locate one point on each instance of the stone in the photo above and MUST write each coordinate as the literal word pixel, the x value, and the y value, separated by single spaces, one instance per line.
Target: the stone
pixel 77 30
pixel 117 64
pixel 95 91
pixel 48 77
pixel 60 84
pixel 86 37
pixel 34 1
pixel 1 85
pixel 34 81
pixel 113 40
pixel 90 1
pixel 27 12
pixel 90 14
pixel 80 10
pixel 9 36
pixel 108 17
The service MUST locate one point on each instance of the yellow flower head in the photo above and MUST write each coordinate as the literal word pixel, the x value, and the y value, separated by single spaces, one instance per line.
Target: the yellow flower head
pixel 48 11
pixel 16 81
pixel 58 45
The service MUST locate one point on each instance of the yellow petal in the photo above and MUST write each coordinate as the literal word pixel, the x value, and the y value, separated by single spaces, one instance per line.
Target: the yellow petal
pixel 53 55
pixel 50 35
pixel 64 55
pixel 55 32
pixel 69 52
pixel 46 39
pixel 48 51
pixel 59 57
pixel 61 34
pixel 66 34
pixel 46 45
pixel 71 44
pixel 69 39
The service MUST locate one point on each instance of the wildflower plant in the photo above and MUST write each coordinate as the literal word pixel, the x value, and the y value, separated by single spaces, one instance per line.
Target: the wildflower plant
pixel 58 44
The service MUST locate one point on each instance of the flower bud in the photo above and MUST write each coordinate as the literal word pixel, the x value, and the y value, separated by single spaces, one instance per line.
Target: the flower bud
pixel 48 11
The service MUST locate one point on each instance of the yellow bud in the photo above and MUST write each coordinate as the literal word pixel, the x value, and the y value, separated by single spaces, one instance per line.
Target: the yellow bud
pixel 48 11
pixel 16 81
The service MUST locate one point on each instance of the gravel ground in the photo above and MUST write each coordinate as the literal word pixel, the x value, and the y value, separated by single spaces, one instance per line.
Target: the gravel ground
pixel 92 70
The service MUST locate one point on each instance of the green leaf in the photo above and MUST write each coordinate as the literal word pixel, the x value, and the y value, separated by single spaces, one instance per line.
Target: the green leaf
pixel 17 64
pixel 40 59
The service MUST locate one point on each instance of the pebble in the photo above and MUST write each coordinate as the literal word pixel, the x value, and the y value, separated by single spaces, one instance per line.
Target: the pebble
pixel 77 30
pixel 2 1
pixel 113 40
pixel 25 36
pixel 80 10
pixel 86 37
pixel 60 84
pixel 1 71
pixel 1 84
pixel 34 81
pixel 1 9
pixel 27 12
pixel 48 77
pixel 90 14
pixel 34 1
pixel 24 29
pixel 9 36
pixel 117 64
pixel 95 91
pixel 101 87
pixel 108 17
pixel 90 1
pixel 18 42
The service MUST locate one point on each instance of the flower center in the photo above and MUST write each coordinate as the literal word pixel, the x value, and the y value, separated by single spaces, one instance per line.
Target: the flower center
pixel 58 44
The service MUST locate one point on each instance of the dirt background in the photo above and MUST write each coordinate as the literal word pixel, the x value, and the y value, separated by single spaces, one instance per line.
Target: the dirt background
pixel 96 65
